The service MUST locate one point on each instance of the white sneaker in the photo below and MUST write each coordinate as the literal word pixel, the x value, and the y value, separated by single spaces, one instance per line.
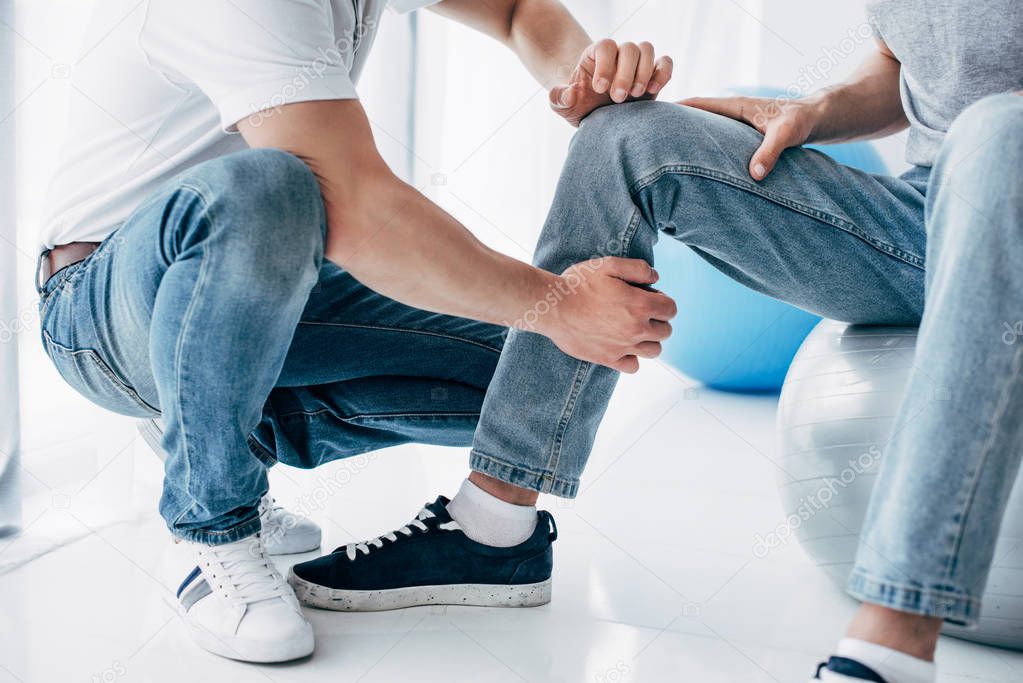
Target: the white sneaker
pixel 236 604
pixel 284 532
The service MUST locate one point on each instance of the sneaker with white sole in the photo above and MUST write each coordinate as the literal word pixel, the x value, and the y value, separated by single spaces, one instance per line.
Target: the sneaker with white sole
pixel 838 669
pixel 236 604
pixel 284 532
pixel 430 561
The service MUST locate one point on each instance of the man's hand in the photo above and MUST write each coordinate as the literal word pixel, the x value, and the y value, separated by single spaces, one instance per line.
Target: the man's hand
pixel 783 123
pixel 603 311
pixel 609 73
pixel 866 107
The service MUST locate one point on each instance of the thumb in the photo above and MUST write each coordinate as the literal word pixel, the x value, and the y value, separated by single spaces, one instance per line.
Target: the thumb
pixel 765 158
pixel 633 270
pixel 563 97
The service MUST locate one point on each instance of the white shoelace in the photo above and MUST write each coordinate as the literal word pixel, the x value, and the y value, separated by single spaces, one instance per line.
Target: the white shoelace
pixel 242 571
pixel 353 549
pixel 270 513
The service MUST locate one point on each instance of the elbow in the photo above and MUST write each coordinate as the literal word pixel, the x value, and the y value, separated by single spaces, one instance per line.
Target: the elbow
pixel 356 211
pixel 509 27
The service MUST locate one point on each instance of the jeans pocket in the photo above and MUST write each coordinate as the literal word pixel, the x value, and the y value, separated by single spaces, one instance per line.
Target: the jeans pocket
pixel 89 375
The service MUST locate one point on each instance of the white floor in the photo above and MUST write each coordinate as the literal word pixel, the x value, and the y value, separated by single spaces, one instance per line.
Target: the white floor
pixel 655 578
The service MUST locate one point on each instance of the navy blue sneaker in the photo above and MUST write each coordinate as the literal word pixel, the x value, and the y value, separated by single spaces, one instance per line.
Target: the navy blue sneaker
pixel 845 669
pixel 430 561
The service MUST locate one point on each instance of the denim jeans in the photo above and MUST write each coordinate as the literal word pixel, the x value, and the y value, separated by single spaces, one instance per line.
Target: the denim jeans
pixel 834 241
pixel 212 305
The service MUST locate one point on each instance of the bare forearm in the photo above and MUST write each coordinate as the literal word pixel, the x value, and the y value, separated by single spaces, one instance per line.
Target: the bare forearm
pixel 868 106
pixel 542 33
pixel 547 38
pixel 402 245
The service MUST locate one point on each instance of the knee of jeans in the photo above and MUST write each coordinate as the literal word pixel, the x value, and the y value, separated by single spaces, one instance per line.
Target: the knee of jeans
pixel 978 167
pixel 634 134
pixel 635 142
pixel 265 206
pixel 988 132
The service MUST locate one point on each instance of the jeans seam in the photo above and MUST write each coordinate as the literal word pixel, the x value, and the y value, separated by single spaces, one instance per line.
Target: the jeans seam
pixel 550 479
pixel 193 302
pixel 817 214
pixel 99 363
pixel 907 587
pixel 235 533
pixel 868 589
pixel 264 455
pixel 375 416
pixel 407 330
pixel 567 411
pixel 184 512
pixel 583 368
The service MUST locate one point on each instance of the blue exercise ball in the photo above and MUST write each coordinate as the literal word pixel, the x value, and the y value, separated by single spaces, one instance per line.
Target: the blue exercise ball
pixel 728 336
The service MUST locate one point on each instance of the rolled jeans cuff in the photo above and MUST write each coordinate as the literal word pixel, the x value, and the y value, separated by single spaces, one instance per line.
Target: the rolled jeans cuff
pixel 221 537
pixel 516 475
pixel 950 605
pixel 265 455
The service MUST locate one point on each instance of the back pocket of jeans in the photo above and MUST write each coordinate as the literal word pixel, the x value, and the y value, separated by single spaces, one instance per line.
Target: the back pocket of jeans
pixel 89 375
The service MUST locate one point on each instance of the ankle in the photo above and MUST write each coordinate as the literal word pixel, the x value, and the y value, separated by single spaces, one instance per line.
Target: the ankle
pixel 912 634
pixel 489 520
pixel 509 493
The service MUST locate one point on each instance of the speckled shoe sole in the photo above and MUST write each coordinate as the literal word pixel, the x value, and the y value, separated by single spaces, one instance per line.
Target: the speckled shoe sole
pixel 470 594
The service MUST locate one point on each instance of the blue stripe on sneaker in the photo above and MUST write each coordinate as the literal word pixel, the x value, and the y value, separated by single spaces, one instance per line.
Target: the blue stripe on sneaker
pixel 198 591
pixel 853 669
pixel 188 579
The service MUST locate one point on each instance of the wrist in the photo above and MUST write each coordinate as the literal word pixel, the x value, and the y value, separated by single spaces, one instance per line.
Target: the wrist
pixel 536 308
pixel 818 107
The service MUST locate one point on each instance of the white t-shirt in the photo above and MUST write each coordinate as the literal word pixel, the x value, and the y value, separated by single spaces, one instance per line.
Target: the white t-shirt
pixel 161 84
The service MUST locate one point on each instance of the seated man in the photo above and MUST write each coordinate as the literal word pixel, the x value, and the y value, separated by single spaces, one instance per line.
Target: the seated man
pixel 242 294
pixel 938 246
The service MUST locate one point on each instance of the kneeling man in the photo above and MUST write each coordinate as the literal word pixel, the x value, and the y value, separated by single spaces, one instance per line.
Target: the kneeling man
pixel 279 295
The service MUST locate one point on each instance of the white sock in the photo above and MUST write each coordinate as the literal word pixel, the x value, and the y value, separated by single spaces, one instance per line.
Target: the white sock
pixel 892 665
pixel 489 520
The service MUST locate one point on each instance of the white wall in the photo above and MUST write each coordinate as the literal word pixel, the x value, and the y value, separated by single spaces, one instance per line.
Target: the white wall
pixel 810 44
pixel 10 499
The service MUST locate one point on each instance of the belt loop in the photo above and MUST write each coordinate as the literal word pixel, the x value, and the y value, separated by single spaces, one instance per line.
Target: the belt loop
pixel 39 269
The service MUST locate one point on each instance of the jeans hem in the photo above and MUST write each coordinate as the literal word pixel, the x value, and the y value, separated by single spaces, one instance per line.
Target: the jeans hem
pixel 217 537
pixel 949 605
pixel 516 475
pixel 264 456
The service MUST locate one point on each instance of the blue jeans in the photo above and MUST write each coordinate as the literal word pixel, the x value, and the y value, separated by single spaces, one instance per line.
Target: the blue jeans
pixel 840 243
pixel 212 305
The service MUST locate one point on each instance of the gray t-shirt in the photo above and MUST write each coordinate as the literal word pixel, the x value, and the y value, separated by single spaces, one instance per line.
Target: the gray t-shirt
pixel 953 53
